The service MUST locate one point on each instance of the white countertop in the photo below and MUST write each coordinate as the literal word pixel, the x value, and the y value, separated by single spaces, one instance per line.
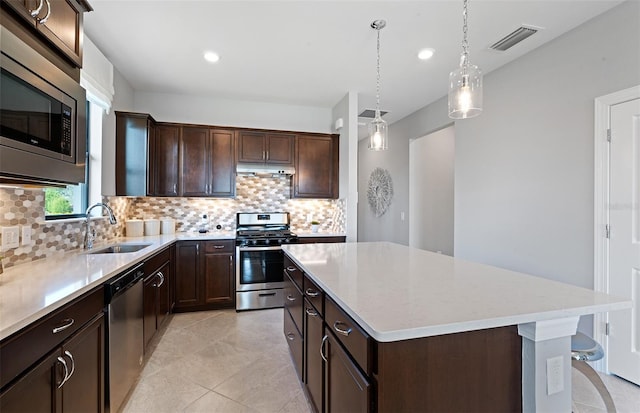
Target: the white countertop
pixel 395 292
pixel 32 290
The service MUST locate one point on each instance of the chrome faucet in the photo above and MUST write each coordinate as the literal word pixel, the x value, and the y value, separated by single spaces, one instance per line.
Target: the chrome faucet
pixel 90 234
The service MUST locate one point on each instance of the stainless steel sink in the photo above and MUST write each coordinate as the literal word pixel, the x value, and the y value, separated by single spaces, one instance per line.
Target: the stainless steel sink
pixel 119 249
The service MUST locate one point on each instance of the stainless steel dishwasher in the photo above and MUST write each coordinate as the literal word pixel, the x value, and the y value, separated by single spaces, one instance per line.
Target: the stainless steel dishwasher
pixel 123 297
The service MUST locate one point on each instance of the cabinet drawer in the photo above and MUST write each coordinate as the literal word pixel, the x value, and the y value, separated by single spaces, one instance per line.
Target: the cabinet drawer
pixel 28 345
pixel 354 339
pixel 294 339
pixel 314 294
pixel 152 264
pixel 293 271
pixel 219 246
pixel 293 301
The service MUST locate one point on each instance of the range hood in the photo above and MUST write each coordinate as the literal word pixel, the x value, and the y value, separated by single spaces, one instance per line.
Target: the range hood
pixel 260 169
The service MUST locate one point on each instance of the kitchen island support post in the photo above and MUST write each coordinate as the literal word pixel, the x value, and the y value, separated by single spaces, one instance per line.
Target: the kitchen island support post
pixel 543 341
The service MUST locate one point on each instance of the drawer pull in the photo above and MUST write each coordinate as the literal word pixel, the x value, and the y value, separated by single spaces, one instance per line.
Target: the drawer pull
pixel 266 294
pixel 291 336
pixel 66 371
pixel 68 322
pixel 291 269
pixel 311 293
pixel 324 339
pixel 311 312
pixel 218 247
pixel 340 330
pixel 290 298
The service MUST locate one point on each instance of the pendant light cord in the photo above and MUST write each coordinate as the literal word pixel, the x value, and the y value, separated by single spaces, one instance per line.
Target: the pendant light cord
pixel 465 42
pixel 378 77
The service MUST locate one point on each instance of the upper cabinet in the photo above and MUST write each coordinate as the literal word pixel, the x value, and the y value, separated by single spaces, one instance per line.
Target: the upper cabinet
pixel 266 147
pixel 207 167
pixel 135 139
pixel 316 163
pixel 57 22
pixel 164 165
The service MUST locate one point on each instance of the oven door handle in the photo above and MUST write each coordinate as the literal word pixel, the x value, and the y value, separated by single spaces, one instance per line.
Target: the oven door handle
pixel 259 248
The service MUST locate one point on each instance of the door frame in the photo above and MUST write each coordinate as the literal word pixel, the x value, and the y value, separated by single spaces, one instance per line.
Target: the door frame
pixel 601 208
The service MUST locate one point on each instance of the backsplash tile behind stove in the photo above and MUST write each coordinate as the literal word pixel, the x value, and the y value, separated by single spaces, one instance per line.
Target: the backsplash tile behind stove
pixel 20 206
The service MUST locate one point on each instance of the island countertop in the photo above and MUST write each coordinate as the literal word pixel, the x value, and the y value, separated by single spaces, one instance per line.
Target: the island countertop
pixel 396 292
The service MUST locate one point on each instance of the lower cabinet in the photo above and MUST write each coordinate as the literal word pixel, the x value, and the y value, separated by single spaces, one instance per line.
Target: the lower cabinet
pixel 156 293
pixel 205 275
pixel 68 379
pixel 313 372
pixel 346 388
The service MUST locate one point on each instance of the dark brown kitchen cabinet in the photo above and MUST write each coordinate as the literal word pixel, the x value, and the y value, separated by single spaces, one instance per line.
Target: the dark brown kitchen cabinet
pixel 135 149
pixel 207 164
pixel 56 23
pixel 316 163
pixel 156 302
pixel 320 240
pixel 266 147
pixel 313 371
pixel 69 379
pixel 205 275
pixel 165 161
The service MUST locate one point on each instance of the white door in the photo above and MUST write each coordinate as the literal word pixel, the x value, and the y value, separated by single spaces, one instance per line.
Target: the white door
pixel 624 252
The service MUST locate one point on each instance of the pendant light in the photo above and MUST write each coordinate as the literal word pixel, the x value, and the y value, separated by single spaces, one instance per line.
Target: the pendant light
pixel 465 82
pixel 378 138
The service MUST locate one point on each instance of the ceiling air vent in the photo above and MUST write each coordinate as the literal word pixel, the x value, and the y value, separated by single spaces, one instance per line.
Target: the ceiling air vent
pixel 513 38
pixel 371 113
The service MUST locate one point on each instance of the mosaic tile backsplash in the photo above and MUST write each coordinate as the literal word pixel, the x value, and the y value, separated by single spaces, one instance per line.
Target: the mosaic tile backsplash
pixel 253 194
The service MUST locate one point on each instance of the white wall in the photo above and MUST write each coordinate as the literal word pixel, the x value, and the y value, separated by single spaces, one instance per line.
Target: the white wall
pixel 347 110
pixel 431 183
pixel 122 101
pixel 227 112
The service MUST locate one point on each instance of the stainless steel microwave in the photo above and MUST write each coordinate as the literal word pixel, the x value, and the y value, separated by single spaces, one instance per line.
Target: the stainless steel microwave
pixel 42 118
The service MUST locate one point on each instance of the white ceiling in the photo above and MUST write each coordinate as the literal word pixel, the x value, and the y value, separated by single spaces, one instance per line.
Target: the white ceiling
pixel 312 53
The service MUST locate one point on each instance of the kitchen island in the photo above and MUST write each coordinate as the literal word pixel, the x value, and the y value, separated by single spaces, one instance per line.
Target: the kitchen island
pixel 440 333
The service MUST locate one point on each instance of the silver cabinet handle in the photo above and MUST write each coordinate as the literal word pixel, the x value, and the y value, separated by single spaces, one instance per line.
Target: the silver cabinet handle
pixel 264 155
pixel 36 11
pixel 161 275
pixel 311 293
pixel 340 330
pixel 45 18
pixel 290 297
pixel 311 312
pixel 68 322
pixel 291 269
pixel 73 363
pixel 267 157
pixel 218 247
pixel 66 371
pixel 324 339
pixel 175 189
pixel 291 336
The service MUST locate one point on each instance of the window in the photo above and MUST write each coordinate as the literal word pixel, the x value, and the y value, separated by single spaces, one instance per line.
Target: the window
pixel 72 201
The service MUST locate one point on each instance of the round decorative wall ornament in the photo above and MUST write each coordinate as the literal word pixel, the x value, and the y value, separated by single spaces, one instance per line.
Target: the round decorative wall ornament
pixel 380 191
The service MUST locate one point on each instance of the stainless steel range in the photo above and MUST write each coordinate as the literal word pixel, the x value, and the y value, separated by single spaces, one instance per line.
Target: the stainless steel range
pixel 260 260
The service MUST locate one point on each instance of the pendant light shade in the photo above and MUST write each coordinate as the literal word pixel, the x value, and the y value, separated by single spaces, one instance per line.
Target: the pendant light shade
pixel 378 138
pixel 465 82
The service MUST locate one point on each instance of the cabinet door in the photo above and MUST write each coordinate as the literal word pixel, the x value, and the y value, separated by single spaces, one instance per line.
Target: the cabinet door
pixel 132 146
pixel 251 147
pixel 316 167
pixel 63 27
pixel 149 300
pixel 313 361
pixel 165 165
pixel 219 280
pixel 223 167
pixel 194 166
pixel 346 388
pixel 36 391
pixel 84 390
pixel 150 156
pixel 163 290
pixel 280 149
pixel 187 287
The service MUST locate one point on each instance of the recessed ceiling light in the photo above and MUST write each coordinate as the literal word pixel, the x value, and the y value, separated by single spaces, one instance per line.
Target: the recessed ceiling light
pixel 211 57
pixel 425 54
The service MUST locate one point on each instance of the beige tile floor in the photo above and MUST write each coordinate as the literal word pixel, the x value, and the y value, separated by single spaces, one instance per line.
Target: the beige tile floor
pixel 228 362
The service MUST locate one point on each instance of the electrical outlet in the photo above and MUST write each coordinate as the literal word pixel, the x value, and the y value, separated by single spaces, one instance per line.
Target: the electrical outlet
pixel 26 235
pixel 555 376
pixel 309 217
pixel 10 237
